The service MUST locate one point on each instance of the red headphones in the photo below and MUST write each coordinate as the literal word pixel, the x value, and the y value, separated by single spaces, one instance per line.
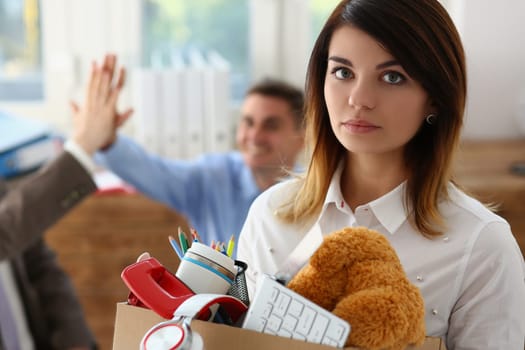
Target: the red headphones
pixel 176 334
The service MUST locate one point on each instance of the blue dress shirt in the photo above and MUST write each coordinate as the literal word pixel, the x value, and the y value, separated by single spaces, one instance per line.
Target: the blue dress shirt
pixel 213 191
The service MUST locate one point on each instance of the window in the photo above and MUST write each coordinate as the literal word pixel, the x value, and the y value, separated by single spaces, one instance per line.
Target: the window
pixel 320 10
pixel 220 25
pixel 20 56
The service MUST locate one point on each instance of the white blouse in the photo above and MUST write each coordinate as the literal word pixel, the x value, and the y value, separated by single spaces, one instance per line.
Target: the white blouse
pixel 472 278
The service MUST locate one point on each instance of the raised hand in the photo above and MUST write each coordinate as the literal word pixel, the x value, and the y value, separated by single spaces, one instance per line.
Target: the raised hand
pixel 95 123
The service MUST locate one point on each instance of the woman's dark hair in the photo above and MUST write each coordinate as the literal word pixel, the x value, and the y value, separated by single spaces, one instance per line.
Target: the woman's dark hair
pixel 422 37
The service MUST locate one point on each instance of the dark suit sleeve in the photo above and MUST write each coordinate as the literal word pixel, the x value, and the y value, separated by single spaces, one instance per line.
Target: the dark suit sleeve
pixel 56 317
pixel 33 205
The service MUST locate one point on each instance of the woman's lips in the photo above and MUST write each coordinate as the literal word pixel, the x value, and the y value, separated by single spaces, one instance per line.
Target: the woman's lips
pixel 359 126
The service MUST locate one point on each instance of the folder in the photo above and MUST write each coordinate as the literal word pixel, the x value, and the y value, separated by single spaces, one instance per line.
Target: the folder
pixel 219 127
pixel 25 144
pixel 194 83
pixel 173 108
pixel 145 93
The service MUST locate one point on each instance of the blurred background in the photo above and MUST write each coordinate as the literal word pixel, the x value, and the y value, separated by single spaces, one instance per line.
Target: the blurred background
pixel 46 47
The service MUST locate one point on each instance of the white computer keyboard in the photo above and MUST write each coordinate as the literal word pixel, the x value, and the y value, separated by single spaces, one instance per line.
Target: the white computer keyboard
pixel 278 310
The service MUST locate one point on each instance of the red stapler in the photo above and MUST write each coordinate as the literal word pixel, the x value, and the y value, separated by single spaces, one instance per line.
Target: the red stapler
pixel 153 286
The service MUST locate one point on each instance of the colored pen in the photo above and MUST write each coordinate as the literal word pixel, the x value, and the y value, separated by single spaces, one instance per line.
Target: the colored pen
pixel 195 234
pixel 175 246
pixel 183 241
pixel 231 245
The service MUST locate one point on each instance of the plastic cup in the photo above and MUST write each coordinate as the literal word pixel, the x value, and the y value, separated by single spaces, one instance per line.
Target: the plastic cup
pixel 206 270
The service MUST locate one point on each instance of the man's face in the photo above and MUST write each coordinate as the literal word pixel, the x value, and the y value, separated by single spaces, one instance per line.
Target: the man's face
pixel 268 136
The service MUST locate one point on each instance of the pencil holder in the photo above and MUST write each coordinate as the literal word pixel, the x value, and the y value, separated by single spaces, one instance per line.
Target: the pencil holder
pixel 239 288
pixel 206 270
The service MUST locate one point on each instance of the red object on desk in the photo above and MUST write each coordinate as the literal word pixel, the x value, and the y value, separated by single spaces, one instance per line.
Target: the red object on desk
pixel 108 184
pixel 153 286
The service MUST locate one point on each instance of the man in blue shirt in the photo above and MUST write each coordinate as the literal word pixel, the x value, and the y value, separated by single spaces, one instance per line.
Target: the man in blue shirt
pixel 214 191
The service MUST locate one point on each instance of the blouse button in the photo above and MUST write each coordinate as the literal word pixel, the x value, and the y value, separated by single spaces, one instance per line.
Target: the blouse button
pixel 445 239
pixel 434 312
pixel 419 278
pixel 270 250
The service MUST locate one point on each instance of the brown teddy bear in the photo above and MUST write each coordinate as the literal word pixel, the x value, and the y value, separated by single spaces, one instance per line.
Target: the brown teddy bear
pixel 357 275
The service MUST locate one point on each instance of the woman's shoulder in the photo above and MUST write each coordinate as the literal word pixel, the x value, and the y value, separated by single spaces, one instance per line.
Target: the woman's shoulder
pixel 475 221
pixel 466 204
pixel 278 195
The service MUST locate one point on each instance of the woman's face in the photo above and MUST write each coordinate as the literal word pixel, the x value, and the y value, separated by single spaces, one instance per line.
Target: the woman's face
pixel 374 106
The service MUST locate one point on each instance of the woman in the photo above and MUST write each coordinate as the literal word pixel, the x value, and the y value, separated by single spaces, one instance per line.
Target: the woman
pixel 385 92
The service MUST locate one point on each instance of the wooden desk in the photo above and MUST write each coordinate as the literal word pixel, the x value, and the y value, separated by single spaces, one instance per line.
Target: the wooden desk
pixel 102 236
pixel 483 169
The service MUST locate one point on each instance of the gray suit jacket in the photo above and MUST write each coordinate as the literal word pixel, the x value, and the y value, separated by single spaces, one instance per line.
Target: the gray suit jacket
pixel 52 309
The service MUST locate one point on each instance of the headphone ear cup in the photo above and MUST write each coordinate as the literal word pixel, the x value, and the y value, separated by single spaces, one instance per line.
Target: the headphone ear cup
pixel 197 342
pixel 169 335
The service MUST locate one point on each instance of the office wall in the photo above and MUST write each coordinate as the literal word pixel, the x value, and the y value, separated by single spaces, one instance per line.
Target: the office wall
pixel 493 34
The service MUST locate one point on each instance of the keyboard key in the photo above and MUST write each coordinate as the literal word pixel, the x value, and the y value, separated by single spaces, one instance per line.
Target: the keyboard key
pixel 298 336
pixel 273 324
pixel 306 321
pixel 259 324
pixel 267 310
pixel 289 323
pixel 328 341
pixel 273 295
pixel 318 329
pixel 335 331
pixel 295 308
pixel 284 333
pixel 282 303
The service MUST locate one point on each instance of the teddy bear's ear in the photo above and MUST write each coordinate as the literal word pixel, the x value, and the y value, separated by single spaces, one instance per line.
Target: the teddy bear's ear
pixel 332 255
pixel 344 247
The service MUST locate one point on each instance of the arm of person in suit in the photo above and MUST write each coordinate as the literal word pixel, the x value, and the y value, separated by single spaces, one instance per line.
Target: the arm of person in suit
pixel 36 203
pixel 62 324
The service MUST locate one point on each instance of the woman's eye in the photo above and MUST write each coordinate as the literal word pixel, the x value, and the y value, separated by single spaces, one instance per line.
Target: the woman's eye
pixel 393 78
pixel 342 73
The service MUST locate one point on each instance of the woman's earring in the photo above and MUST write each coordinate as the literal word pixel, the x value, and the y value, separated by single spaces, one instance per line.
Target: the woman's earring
pixel 431 118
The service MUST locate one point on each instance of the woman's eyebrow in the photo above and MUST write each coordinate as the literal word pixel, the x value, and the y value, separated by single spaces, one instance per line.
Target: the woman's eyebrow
pixel 349 63
pixel 340 60
pixel 388 64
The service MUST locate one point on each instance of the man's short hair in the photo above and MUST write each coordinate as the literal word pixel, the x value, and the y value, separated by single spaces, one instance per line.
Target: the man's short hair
pixel 280 89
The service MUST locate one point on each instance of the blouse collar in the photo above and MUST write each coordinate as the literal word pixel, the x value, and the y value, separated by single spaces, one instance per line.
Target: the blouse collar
pixel 389 209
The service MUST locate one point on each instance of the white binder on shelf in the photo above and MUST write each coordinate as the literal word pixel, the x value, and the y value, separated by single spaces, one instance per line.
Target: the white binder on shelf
pixel 219 130
pixel 173 108
pixel 183 109
pixel 145 92
pixel 194 84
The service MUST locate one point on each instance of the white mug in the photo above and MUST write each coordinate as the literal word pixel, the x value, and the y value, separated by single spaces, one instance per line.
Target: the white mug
pixel 206 270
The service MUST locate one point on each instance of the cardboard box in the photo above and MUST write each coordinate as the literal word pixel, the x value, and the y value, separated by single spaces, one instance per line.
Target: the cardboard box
pixel 133 322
